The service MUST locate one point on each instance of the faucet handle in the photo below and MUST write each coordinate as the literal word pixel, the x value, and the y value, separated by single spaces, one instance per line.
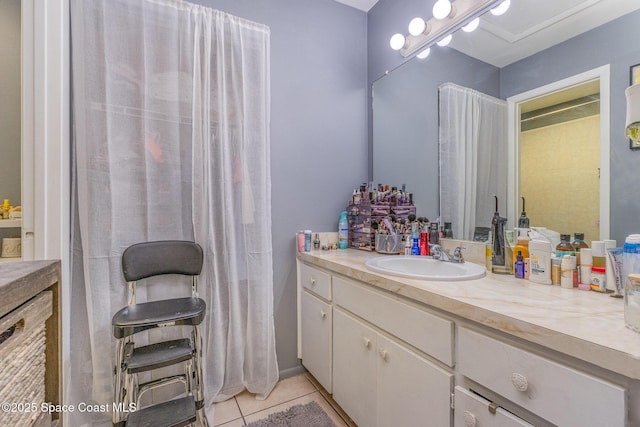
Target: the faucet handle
pixel 435 250
pixel 457 253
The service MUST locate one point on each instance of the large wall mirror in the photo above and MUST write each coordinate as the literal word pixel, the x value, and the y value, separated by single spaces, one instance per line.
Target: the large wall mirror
pixel 540 48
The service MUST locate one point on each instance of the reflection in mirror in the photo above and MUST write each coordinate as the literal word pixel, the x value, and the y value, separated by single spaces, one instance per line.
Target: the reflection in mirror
pixel 560 160
pixel 473 158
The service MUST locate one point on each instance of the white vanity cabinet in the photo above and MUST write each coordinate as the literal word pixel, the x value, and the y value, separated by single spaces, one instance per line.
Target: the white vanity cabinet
pixel 316 323
pixel 390 351
pixel 379 379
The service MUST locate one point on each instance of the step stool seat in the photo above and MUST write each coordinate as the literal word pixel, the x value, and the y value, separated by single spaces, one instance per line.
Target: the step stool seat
pixel 170 312
pixel 159 355
pixel 173 413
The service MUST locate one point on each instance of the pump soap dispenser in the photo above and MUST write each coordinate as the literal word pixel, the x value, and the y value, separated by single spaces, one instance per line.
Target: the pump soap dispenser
pixel 523 221
pixel 498 260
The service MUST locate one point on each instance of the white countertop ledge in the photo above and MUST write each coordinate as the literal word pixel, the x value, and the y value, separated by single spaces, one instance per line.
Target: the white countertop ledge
pixel 583 324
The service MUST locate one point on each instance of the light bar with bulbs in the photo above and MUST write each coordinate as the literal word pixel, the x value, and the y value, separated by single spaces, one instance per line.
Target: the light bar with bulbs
pixel 448 18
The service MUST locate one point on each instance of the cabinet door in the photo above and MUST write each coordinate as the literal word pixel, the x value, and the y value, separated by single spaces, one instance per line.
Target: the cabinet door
pixel 316 338
pixel 354 368
pixel 411 390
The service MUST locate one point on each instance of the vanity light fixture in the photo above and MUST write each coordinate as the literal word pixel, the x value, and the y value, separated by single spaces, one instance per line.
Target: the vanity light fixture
pixel 397 41
pixel 501 9
pixel 447 18
pixel 445 41
pixel 424 53
pixel 471 26
pixel 443 9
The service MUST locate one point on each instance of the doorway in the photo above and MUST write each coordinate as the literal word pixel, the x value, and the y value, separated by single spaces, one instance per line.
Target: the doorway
pixel 559 155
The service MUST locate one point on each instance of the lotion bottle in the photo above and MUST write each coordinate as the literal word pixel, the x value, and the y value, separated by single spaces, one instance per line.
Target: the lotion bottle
pixel 540 261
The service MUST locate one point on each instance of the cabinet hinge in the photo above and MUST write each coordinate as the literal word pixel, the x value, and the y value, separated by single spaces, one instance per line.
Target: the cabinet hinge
pixel 452 399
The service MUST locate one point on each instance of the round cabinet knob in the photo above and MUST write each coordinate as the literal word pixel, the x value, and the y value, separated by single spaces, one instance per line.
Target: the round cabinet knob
pixel 366 342
pixel 384 354
pixel 323 314
pixel 469 419
pixel 312 281
pixel 519 381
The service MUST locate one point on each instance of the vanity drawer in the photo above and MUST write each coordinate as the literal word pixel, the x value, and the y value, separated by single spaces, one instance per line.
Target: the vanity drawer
pixel 316 281
pixel 555 392
pixel 421 329
pixel 472 410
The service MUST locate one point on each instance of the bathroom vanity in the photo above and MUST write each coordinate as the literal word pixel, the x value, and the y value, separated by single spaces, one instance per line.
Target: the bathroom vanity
pixel 490 351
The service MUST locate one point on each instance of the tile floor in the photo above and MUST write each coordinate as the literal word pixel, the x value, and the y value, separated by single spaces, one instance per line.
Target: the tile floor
pixel 299 390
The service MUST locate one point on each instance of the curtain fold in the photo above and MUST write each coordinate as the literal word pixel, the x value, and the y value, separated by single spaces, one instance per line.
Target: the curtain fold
pixel 171 141
pixel 473 158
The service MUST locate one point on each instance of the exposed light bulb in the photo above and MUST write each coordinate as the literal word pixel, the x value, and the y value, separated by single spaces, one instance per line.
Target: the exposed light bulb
pixel 445 41
pixel 471 26
pixel 424 53
pixel 397 41
pixel 442 9
pixel 417 26
pixel 501 8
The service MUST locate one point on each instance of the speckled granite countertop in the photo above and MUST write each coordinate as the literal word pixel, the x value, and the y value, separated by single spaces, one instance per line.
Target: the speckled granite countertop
pixel 583 324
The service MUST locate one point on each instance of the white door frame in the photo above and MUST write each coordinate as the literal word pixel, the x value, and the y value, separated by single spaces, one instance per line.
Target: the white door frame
pixel 45 154
pixel 513 182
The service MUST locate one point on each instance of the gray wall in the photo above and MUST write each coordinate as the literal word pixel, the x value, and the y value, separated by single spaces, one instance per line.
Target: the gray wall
pixel 318 130
pixel 615 43
pixel 10 101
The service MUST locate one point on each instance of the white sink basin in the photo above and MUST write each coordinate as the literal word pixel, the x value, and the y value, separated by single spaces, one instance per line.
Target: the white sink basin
pixel 420 267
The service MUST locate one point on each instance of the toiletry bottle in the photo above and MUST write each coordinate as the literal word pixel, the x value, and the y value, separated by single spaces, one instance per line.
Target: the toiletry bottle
pixel 522 245
pixel 343 231
pixel 316 242
pixel 519 266
pixel 599 254
pixel 586 262
pixel 556 273
pixel 407 244
pixel 300 240
pixel 578 243
pixel 307 240
pixel 540 266
pixel 415 247
pixel 609 245
pixel 564 247
pixel 632 302
pixel 599 279
pixel 566 272
pixel 487 252
pixel 630 257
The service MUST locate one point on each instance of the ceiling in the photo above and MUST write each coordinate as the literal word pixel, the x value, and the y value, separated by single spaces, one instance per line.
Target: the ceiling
pixel 528 27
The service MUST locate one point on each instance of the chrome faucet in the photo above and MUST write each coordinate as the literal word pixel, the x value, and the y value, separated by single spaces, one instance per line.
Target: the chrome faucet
pixel 439 253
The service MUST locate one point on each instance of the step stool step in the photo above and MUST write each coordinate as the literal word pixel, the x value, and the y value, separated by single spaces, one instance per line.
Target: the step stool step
pixel 174 413
pixel 159 355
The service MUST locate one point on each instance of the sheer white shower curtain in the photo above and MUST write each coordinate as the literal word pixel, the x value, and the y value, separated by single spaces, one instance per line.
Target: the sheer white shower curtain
pixel 473 157
pixel 171 141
